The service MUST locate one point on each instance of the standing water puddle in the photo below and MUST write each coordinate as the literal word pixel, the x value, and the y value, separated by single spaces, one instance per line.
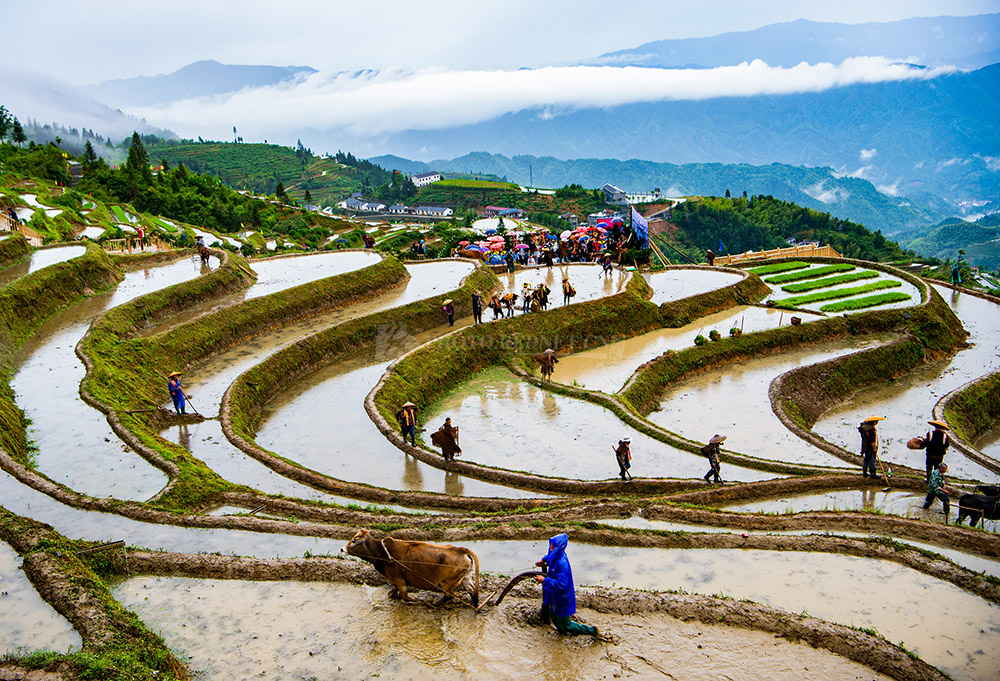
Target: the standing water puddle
pixel 508 423
pixel 229 630
pixel 734 401
pixel 908 402
pixel 27 622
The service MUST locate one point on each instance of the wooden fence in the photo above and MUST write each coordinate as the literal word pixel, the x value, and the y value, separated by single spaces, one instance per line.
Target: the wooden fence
pixel 9 224
pixel 802 251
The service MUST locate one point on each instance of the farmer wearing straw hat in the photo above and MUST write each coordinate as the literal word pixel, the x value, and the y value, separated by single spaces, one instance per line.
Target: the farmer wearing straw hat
pixel 623 454
pixel 449 309
pixel 548 362
pixel 176 394
pixel 407 419
pixel 869 444
pixel 711 450
pixel 937 442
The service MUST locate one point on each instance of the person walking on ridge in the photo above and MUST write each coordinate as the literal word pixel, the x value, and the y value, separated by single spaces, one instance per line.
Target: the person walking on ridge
pixel 623 455
pixel 477 307
pixel 869 444
pixel 407 419
pixel 711 450
pixel 449 309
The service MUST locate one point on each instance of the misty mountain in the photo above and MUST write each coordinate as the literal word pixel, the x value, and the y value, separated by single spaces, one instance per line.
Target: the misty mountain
pixel 819 188
pixel 200 79
pixel 967 42
pixel 936 141
pixel 47 100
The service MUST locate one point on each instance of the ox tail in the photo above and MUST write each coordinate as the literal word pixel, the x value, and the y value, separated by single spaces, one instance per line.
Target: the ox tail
pixel 475 589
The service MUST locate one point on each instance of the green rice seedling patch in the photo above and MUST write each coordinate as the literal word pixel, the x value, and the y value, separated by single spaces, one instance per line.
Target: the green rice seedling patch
pixel 162 224
pixel 827 282
pixel 778 267
pixel 120 214
pixel 811 273
pixel 833 294
pixel 866 302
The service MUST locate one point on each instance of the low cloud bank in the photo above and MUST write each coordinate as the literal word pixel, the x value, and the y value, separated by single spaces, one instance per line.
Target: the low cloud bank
pixel 381 103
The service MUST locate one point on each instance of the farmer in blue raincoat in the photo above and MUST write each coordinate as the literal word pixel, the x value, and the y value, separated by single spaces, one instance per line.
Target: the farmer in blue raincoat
pixel 559 596
pixel 176 394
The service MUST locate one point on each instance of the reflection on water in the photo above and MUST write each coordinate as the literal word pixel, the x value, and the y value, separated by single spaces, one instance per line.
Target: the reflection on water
pixel 508 423
pixel 230 630
pixel 676 284
pixel 39 259
pixel 28 623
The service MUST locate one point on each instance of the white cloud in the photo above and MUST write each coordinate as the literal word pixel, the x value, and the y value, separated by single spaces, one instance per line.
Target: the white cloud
pixel 376 103
pixel 889 189
pixel 820 192
pixel 992 162
pixel 867 154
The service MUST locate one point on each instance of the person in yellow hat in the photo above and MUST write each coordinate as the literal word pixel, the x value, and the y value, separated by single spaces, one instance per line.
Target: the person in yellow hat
pixel 869 444
pixel 937 442
pixel 176 394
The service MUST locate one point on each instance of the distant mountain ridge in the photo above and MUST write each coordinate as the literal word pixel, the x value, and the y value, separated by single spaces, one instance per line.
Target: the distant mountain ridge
pixel 199 79
pixel 819 188
pixel 967 42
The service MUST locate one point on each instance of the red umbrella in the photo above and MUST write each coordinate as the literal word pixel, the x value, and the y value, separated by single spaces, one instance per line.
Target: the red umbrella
pixel 463 243
pixel 497 247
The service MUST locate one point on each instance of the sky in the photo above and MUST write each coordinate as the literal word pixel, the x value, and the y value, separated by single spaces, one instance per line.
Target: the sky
pixel 91 41
pixel 388 66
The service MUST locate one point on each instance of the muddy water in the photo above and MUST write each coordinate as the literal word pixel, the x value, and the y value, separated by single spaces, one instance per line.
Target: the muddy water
pixel 608 367
pixel 76 446
pixel 229 630
pixel 554 435
pixel 909 402
pixel 906 288
pixel 904 605
pixel 274 275
pixel 27 622
pixel 39 259
pixel 734 402
pixel 348 446
pixel 966 560
pixel 676 284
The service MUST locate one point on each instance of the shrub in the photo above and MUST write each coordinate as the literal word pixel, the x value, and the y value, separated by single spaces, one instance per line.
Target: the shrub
pixel 700 340
pixel 714 335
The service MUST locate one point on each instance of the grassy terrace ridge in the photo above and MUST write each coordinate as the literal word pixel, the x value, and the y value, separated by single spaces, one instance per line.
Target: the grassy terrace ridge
pixel 826 282
pixel 778 267
pixel 479 184
pixel 116 644
pixel 834 294
pixel 866 302
pixel 24 305
pixel 975 408
pixel 13 248
pixel 810 273
pixel 126 372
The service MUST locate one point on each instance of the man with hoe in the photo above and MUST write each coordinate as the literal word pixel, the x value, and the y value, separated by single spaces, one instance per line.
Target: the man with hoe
pixel 869 444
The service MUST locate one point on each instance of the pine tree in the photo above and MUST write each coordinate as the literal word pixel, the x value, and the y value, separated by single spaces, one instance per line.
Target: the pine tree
pixel 89 155
pixel 18 135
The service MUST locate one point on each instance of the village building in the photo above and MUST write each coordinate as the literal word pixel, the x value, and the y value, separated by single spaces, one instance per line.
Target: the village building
pixel 500 211
pixel 424 179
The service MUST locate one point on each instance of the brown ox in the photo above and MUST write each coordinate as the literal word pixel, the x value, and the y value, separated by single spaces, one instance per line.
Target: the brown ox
pixel 474 255
pixel 418 564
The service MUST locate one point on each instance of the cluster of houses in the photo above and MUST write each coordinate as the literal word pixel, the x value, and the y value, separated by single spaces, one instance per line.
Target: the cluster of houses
pixel 360 205
pixel 617 196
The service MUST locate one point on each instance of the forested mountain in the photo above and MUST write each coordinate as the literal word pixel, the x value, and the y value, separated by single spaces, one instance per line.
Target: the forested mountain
pixel 980 240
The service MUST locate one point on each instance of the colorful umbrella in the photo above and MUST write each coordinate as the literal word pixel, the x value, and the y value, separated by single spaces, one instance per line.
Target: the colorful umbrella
pixel 521 246
pixel 463 243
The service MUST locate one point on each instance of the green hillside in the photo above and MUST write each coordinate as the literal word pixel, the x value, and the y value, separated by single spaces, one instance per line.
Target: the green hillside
pixel 980 241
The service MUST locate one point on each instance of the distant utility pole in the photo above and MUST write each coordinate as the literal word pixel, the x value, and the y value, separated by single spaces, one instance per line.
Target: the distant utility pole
pixel 531 177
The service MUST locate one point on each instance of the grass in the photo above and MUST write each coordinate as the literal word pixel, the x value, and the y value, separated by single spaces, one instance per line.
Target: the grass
pixel 834 294
pixel 162 224
pixel 778 267
pixel 826 282
pixel 120 214
pixel 811 273
pixel 866 302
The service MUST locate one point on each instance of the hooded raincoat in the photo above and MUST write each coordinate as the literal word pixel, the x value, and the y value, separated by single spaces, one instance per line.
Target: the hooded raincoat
pixel 557 589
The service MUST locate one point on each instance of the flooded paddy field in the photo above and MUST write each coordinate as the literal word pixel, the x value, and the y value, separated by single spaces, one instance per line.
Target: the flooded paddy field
pixel 306 630
pixel 879 277
pixel 27 622
pixel 908 402
pixel 607 368
pixel 506 422
pixel 40 258
pixel 75 444
pixel 587 278
pixel 734 401
pixel 682 283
